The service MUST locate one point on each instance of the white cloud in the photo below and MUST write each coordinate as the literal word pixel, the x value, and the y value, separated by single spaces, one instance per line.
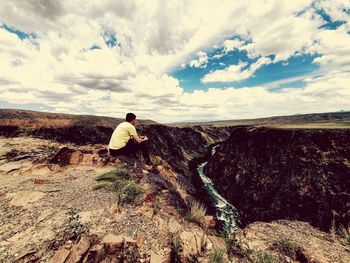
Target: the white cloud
pixel 201 61
pixel 235 72
pixel 321 94
pixel 284 38
pixel 229 74
pixel 334 47
pixel 335 9
pixel 230 45
pixel 153 37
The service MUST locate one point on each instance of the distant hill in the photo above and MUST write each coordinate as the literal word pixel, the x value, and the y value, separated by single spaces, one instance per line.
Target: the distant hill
pixel 315 120
pixel 35 119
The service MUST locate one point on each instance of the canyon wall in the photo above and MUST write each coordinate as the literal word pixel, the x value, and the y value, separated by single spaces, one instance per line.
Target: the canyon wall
pixel 298 174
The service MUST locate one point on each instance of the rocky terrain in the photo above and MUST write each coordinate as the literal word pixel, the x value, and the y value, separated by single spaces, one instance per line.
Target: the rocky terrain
pixel 179 145
pixel 296 174
pixel 63 199
pixel 49 192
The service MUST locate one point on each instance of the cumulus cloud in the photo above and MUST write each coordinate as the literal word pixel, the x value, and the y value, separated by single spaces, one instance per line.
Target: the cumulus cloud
pixel 229 74
pixel 230 45
pixel 231 103
pixel 59 70
pixel 235 72
pixel 334 47
pixel 201 61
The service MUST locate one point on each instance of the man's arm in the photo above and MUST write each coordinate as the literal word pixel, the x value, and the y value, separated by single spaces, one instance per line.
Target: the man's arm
pixel 139 139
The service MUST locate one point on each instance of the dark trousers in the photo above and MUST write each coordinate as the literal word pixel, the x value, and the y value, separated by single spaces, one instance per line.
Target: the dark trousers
pixel 131 148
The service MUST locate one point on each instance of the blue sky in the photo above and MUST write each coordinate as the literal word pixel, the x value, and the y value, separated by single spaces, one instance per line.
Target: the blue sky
pixel 175 60
pixel 296 66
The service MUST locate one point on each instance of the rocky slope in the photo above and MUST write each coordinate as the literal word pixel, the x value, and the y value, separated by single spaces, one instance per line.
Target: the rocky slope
pixel 79 129
pixel 51 210
pixel 49 191
pixel 295 174
pixel 176 145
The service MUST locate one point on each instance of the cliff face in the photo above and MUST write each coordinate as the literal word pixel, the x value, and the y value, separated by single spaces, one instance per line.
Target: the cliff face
pixel 283 173
pixel 180 145
pixel 174 144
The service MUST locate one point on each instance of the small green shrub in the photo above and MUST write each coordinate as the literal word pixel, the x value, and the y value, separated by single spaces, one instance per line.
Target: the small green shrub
pixel 74 227
pixel 344 233
pixel 265 257
pixel 128 192
pixel 237 248
pixel 197 212
pixel 119 185
pixel 104 185
pixel 287 247
pixel 113 176
pixel 217 257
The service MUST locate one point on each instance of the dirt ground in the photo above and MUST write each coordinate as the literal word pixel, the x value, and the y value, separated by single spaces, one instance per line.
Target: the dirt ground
pixel 35 200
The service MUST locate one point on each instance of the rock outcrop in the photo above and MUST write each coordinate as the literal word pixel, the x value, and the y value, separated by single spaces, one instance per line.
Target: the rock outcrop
pixel 293 174
pixel 174 144
pixel 293 241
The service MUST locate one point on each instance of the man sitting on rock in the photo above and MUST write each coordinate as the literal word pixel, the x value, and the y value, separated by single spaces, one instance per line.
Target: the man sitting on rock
pixel 125 140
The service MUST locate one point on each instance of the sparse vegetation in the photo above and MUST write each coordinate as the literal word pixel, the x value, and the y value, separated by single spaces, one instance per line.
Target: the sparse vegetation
pixel 217 257
pixel 193 259
pixel 344 233
pixel 157 205
pixel 287 247
pixel 176 250
pixel 119 173
pixel 128 191
pixel 104 185
pixel 119 180
pixel 197 212
pixel 74 227
pixel 265 257
pixel 237 248
pixel 129 254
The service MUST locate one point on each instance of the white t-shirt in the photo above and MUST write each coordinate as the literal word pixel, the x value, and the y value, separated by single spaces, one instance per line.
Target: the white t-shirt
pixel 121 135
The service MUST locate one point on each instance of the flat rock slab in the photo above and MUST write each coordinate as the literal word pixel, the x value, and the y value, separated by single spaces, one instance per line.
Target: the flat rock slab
pixel 9 167
pixel 4 151
pixel 25 198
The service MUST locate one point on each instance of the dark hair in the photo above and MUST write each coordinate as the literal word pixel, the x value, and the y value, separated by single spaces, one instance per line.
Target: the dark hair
pixel 130 117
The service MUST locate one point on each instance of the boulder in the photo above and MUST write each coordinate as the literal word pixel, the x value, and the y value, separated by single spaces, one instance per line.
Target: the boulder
pixel 155 258
pixel 87 159
pixel 173 226
pixel 79 250
pixel 114 208
pixel 217 244
pixel 146 211
pixel 60 256
pixel 75 158
pixel 140 240
pixel 114 244
pixel 313 244
pixel 26 198
pixel 96 254
pixel 98 160
pixel 208 222
pixel 192 242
